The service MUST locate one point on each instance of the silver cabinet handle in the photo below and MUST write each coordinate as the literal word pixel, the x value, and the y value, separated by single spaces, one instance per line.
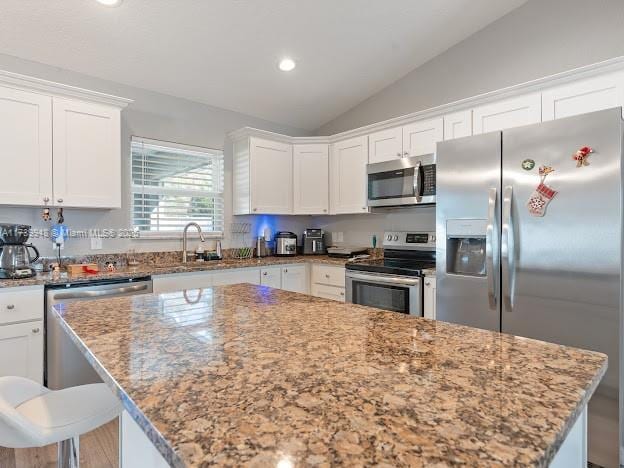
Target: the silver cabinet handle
pixel 11 306
pixel 35 330
pixel 489 249
pixel 327 276
pixel 405 153
pixel 507 251
pixel 399 154
pixel 363 207
pixel 60 200
pixel 264 273
pixel 285 270
pixel 342 293
pixel 324 210
pixel 46 199
pixel 427 283
pixel 255 209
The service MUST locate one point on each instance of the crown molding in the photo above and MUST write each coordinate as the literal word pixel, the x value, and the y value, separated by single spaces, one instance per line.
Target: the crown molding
pixel 612 65
pixel 29 83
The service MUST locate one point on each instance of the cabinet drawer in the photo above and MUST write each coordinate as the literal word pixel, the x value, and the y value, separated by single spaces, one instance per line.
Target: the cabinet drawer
pixel 21 304
pixel 329 275
pixel 335 293
pixel 181 281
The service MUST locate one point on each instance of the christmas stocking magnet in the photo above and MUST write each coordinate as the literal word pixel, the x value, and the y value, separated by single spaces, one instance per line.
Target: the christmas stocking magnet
pixel 540 199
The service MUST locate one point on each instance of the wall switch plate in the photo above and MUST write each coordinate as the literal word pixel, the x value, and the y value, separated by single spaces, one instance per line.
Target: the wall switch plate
pixel 96 243
pixel 338 236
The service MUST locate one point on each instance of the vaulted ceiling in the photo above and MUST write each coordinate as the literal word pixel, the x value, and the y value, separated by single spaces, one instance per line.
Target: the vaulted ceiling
pixel 225 52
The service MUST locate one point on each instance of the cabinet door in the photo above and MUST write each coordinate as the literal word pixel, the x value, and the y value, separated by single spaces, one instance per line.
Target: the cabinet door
pixel 421 137
pixel 583 96
pixel 247 275
pixel 271 177
pixel 311 179
pixel 458 125
pixel 87 155
pixel 429 305
pixel 385 145
pixel 181 281
pixel 295 278
pixel 514 112
pixel 271 277
pixel 21 350
pixel 347 176
pixel 26 136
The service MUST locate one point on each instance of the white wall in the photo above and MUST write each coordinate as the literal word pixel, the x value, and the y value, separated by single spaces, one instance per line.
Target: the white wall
pixel 152 115
pixel 541 38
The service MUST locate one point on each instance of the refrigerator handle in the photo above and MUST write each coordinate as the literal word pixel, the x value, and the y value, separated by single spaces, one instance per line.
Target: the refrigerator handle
pixel 507 251
pixel 492 274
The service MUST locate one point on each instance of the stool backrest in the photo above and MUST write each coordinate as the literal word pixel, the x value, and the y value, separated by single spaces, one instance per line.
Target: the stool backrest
pixel 16 431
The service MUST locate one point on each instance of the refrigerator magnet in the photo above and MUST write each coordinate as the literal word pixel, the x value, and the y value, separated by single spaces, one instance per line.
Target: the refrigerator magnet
pixel 528 164
pixel 581 156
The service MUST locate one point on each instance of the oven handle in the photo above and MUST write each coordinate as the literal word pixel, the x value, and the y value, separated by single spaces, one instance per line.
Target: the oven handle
pixel 417 182
pixel 385 279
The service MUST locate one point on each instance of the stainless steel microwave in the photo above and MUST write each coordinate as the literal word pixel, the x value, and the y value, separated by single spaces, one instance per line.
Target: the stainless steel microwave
pixel 405 181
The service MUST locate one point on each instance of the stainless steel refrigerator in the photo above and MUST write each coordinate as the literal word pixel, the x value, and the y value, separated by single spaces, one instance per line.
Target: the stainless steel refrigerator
pixel 557 277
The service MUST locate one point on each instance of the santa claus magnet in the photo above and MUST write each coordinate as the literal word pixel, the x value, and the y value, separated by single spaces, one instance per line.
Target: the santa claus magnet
pixel 542 195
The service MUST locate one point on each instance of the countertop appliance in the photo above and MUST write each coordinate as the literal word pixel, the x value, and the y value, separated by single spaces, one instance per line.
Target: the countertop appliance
pixel 65 364
pixel 554 277
pixel 346 251
pixel 395 281
pixel 262 248
pixel 314 242
pixel 15 257
pixel 285 244
pixel 402 182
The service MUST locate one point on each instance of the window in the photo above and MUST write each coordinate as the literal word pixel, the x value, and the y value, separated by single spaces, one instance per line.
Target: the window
pixel 173 185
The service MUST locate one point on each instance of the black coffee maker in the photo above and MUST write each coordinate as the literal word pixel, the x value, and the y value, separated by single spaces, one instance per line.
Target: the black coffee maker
pixel 15 257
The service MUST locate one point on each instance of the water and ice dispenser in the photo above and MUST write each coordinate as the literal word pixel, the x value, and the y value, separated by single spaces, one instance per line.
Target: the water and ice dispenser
pixel 465 246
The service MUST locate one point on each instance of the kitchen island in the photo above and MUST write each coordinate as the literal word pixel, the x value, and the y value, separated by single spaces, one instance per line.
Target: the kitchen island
pixel 249 375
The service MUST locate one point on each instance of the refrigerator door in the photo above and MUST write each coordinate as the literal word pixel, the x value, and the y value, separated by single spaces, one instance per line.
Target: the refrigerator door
pixel 467 230
pixel 561 272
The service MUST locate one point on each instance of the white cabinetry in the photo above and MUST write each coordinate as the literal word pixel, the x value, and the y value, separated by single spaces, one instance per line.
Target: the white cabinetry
pixel 414 139
pixel 271 277
pixel 458 125
pixel 514 112
pixel 347 176
pixel 421 137
pixel 295 278
pixel 180 281
pixel 580 97
pixel 26 136
pixel 21 332
pixel 328 281
pixel 311 179
pixel 429 293
pixel 241 275
pixel 263 177
pixel 385 145
pixel 86 154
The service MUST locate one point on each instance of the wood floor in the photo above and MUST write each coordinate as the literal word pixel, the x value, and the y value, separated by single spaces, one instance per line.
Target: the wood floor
pixel 98 449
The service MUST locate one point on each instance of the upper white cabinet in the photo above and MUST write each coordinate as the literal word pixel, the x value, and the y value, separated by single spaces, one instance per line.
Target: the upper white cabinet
pixel 458 125
pixel 514 112
pixel 61 146
pixel 311 178
pixel 421 137
pixel 347 176
pixel 26 142
pixel 87 155
pixel 580 97
pixel 410 140
pixel 263 177
pixel 385 145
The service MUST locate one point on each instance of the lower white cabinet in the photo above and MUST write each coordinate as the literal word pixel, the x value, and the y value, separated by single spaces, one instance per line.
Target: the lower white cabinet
pixel 242 275
pixel 295 278
pixel 271 277
pixel 335 293
pixel 328 281
pixel 21 332
pixel 429 302
pixel 179 281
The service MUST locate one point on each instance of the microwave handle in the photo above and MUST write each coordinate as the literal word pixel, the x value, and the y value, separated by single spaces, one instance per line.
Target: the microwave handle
pixel 417 181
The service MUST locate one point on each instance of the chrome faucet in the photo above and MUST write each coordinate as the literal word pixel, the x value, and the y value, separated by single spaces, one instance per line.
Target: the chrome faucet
pixel 184 235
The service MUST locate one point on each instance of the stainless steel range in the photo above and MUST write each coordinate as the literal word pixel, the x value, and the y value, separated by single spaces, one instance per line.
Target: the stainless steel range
pixel 395 281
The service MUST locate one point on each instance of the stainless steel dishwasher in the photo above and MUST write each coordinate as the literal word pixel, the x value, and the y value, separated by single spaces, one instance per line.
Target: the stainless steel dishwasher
pixel 65 364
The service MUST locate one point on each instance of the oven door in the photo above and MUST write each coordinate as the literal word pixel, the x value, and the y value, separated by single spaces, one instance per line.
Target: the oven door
pixel 406 181
pixel 389 292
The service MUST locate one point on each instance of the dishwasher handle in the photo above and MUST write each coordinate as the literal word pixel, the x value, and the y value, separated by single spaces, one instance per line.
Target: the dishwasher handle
pixel 103 293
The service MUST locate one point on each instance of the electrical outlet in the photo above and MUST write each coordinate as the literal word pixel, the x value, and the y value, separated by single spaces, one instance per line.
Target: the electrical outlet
pixel 96 243
pixel 338 236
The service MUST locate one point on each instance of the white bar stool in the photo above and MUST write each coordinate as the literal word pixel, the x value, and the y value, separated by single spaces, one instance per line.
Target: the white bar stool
pixel 33 416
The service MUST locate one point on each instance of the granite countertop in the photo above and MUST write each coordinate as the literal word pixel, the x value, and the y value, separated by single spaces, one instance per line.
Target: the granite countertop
pixel 166 268
pixel 248 375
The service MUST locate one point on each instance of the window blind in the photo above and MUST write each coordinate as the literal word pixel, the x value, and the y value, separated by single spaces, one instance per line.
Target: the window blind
pixel 173 185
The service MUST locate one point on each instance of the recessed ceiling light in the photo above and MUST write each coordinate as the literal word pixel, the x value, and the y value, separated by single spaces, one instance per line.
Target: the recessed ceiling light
pixel 112 3
pixel 287 64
